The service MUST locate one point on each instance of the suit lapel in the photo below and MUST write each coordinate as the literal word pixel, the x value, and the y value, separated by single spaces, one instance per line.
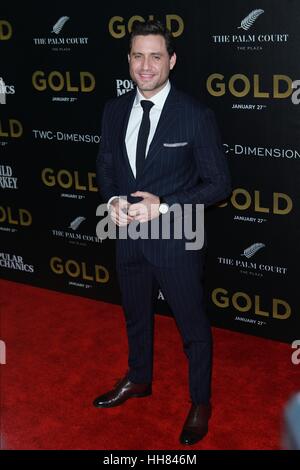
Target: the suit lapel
pixel 167 118
pixel 124 124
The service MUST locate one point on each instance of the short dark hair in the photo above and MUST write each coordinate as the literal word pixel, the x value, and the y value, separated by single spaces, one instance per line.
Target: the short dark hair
pixel 152 27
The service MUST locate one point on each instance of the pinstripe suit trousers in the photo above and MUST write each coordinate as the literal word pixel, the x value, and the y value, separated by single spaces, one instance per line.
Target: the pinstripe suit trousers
pixel 182 288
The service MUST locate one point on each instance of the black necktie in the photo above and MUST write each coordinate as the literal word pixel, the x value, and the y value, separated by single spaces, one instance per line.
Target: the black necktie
pixel 143 137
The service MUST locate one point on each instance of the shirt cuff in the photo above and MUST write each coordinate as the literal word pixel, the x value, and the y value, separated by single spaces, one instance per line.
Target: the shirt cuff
pixel 111 199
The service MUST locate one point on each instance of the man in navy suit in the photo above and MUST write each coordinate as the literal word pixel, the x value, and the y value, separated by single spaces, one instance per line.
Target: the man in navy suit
pixel 160 148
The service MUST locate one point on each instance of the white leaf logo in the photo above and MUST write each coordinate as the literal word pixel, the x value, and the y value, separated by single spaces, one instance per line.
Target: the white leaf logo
pixel 251 250
pixel 247 22
pixel 60 24
pixel 76 222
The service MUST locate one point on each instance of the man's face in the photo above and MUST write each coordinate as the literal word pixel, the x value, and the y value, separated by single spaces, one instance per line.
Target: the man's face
pixel 150 63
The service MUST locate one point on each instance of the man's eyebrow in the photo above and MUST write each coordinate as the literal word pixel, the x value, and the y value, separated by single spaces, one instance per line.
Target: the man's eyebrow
pixel 142 53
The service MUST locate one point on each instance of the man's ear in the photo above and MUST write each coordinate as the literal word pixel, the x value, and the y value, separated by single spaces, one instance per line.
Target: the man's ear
pixel 128 58
pixel 173 61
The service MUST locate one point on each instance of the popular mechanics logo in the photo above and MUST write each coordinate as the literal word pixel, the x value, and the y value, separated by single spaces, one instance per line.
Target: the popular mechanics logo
pixel 15 262
pixel 5 90
pixel 244 39
pixel 57 40
pixel 124 86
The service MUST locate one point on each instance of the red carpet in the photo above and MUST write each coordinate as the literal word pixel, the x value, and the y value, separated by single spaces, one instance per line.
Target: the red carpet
pixel 60 357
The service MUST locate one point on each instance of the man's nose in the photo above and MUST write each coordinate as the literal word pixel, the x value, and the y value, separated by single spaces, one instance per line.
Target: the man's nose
pixel 146 63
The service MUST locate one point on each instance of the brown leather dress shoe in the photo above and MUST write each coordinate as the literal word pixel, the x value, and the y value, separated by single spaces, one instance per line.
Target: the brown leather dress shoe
pixel 124 389
pixel 196 424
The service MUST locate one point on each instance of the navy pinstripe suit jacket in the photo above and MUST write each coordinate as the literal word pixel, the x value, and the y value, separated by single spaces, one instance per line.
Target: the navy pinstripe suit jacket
pixel 185 164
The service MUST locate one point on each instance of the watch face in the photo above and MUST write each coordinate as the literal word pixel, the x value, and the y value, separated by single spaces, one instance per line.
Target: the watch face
pixel 163 208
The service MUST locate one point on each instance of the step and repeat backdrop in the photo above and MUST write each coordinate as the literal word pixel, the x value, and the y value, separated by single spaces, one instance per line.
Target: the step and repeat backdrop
pixel 60 63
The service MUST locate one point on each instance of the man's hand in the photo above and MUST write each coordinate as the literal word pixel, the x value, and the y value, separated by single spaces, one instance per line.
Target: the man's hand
pixel 145 210
pixel 118 209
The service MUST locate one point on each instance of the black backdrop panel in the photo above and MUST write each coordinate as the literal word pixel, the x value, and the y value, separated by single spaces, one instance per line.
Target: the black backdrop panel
pixel 59 65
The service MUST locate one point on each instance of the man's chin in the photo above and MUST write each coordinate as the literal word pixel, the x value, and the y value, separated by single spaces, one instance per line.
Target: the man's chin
pixel 146 87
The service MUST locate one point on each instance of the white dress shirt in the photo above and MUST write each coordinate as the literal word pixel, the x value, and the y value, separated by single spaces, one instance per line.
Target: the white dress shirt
pixel 135 119
pixel 134 123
